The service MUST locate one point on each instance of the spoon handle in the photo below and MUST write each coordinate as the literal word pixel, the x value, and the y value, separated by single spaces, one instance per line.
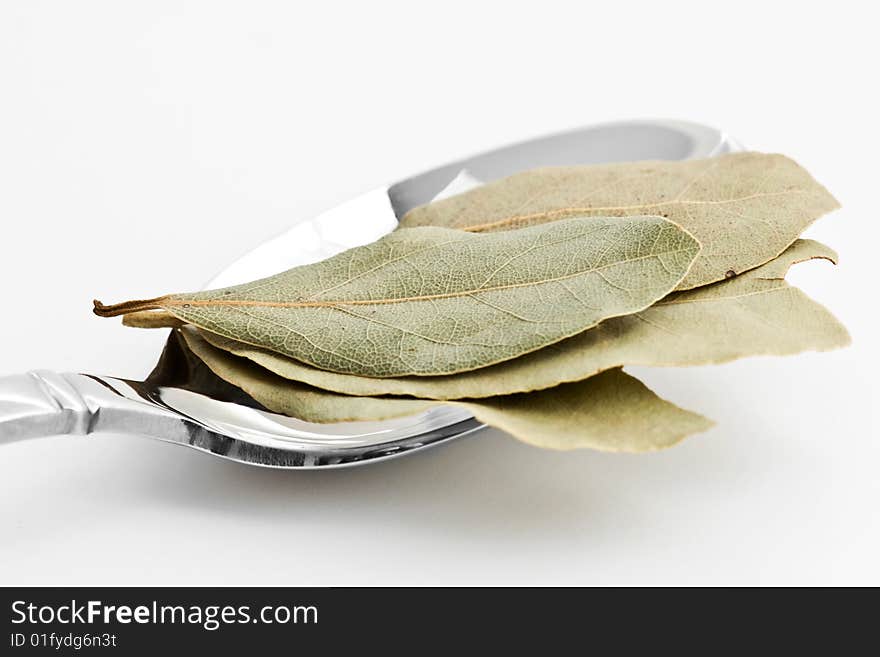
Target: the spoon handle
pixel 41 403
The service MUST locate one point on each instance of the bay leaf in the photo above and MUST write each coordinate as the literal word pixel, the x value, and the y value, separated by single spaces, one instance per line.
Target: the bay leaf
pixel 152 319
pixel 293 398
pixel 744 208
pixel 432 301
pixel 611 412
pixel 756 313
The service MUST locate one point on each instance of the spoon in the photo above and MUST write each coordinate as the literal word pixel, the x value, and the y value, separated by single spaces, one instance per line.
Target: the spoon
pixel 182 402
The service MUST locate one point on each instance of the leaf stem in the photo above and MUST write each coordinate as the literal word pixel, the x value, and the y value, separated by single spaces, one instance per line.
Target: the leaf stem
pixel 127 307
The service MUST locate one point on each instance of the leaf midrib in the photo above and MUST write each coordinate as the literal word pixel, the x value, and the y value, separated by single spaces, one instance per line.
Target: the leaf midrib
pixel 561 213
pixel 172 302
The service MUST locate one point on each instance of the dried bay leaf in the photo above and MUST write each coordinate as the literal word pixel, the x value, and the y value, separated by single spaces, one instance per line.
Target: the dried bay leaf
pixel 756 313
pixel 150 319
pixel 432 301
pixel 297 399
pixel 744 208
pixel 611 412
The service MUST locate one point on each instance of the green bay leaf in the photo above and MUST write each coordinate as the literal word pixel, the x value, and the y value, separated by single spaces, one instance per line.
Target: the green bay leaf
pixel 756 313
pixel 611 411
pixel 744 208
pixel 433 301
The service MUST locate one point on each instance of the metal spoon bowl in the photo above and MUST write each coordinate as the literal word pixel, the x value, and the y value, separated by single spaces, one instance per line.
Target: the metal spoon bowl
pixel 183 404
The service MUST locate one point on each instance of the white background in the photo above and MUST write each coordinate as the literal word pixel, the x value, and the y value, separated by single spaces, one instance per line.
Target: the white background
pixel 143 145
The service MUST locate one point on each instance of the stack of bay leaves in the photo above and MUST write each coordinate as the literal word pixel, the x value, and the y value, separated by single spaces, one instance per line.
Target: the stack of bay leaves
pixel 521 301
